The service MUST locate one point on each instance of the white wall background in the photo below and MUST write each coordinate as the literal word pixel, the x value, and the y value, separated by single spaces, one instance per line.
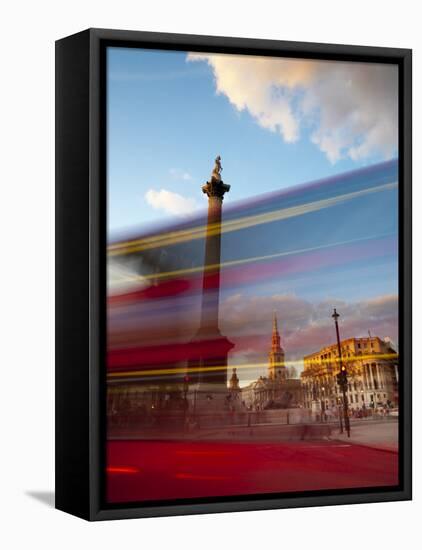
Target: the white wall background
pixel 28 32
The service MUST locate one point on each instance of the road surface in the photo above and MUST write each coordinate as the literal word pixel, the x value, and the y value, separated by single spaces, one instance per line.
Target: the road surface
pixel 154 470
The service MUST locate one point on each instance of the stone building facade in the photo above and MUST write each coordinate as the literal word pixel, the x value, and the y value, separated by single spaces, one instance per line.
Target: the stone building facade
pixel 373 377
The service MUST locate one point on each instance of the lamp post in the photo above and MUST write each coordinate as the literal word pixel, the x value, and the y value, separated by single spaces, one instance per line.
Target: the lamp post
pixel 339 414
pixel 186 381
pixel 342 376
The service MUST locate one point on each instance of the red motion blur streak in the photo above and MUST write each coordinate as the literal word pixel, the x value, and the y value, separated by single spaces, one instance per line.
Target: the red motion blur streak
pixel 172 470
pixel 122 470
pixel 261 270
pixel 164 289
pixel 170 354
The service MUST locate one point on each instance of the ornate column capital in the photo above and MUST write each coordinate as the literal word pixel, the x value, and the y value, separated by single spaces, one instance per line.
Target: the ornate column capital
pixel 215 188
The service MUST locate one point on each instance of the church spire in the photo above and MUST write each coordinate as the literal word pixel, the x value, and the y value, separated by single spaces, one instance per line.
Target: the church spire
pixel 276 367
pixel 275 341
pixel 275 327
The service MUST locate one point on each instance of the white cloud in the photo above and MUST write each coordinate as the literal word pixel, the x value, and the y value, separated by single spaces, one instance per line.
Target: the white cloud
pixel 170 202
pixel 351 108
pixel 180 174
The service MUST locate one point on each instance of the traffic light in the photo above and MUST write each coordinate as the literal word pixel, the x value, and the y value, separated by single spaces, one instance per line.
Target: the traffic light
pixel 342 378
pixel 186 380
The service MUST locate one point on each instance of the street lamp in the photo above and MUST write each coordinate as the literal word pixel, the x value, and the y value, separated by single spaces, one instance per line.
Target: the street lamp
pixel 186 381
pixel 342 376
pixel 339 415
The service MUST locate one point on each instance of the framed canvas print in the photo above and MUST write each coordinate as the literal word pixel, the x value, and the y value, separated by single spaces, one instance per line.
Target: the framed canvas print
pixel 233 276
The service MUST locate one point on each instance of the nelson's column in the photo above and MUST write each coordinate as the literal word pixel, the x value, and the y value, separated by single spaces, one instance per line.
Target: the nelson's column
pixel 214 347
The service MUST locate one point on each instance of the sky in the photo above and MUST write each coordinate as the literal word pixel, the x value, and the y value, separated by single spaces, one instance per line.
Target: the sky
pixel 276 123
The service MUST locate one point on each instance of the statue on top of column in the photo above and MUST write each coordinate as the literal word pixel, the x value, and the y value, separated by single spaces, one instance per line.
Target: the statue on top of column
pixel 216 172
pixel 215 187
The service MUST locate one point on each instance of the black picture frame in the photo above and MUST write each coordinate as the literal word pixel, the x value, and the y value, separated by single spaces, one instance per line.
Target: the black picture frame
pixel 81 279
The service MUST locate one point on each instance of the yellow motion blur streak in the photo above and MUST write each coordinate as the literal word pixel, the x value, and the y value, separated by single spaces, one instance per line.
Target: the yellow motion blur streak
pixel 200 232
pixel 183 370
pixel 212 267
